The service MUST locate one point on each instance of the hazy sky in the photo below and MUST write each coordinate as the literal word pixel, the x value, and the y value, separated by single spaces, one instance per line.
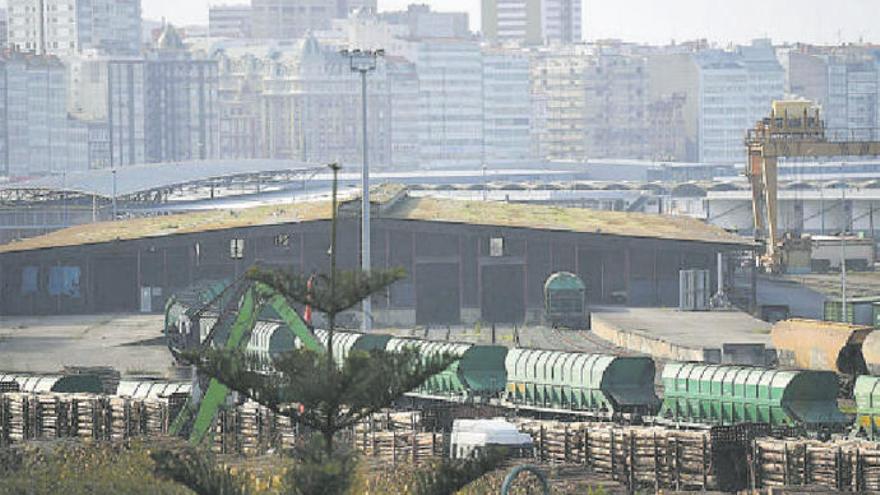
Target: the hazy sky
pixel 657 21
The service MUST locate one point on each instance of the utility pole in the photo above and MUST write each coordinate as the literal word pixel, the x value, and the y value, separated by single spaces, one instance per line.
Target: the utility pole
pixel 364 61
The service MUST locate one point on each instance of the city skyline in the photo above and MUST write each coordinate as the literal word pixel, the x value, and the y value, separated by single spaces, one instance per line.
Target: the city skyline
pixel 655 22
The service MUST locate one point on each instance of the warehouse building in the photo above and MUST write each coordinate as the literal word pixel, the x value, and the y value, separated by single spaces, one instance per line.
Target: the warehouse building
pixel 466 261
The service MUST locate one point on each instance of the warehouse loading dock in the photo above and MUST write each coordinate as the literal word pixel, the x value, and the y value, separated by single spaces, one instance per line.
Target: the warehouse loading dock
pixel 670 334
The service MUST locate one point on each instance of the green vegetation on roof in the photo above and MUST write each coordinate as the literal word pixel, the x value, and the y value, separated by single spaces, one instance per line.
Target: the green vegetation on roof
pixel 488 213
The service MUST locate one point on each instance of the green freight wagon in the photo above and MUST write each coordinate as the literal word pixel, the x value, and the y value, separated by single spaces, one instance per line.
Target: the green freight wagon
pixel 565 301
pixel 479 371
pixel 867 395
pixel 85 383
pixel 345 342
pixel 581 382
pixel 727 395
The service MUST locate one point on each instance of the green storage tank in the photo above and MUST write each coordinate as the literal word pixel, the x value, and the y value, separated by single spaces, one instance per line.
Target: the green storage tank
pixel 725 395
pixel 578 381
pixel 479 371
pixel 867 395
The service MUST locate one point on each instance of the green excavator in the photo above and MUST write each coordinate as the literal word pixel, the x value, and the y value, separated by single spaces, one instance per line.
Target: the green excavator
pixel 223 314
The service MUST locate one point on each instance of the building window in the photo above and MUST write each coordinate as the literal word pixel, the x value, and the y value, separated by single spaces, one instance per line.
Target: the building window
pixel 236 249
pixel 282 241
pixel 496 247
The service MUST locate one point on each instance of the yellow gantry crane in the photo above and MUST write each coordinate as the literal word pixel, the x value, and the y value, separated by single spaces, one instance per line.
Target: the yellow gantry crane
pixel 793 130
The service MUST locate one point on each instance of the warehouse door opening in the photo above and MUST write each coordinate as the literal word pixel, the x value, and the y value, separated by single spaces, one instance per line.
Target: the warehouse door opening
pixel 437 294
pixel 503 297
pixel 115 286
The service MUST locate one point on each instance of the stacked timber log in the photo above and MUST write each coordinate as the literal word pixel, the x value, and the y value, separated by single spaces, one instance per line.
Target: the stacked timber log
pixel 643 457
pixel 843 465
pixel 286 432
pixel 397 437
pixel 50 416
pixel 20 408
pixel 156 416
pixel 85 415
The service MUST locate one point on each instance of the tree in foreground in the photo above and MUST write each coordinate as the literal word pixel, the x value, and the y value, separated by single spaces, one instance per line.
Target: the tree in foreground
pixel 317 390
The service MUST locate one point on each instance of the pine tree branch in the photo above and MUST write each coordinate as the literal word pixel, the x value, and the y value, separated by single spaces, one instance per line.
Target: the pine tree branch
pixel 352 286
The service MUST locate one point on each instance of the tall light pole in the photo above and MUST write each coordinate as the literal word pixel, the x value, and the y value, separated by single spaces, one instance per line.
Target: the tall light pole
pixel 364 61
pixel 114 194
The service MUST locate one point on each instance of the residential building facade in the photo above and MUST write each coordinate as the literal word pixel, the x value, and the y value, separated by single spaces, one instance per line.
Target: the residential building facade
pixel 507 110
pixel 230 21
pixel 67 27
pixel 290 19
pixel 532 22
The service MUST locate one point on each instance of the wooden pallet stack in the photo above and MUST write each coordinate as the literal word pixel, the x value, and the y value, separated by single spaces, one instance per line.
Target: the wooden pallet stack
pixel 21 410
pixel 397 437
pixel 4 421
pixel 156 418
pixel 843 465
pixel 250 428
pixel 286 432
pixel 85 416
pixel 50 417
pixel 638 456
pixel 117 414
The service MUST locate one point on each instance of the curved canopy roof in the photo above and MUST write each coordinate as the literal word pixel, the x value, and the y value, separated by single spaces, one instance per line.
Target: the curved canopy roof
pixel 139 179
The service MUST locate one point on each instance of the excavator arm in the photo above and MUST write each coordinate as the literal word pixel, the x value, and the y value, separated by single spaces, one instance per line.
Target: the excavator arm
pixel 201 412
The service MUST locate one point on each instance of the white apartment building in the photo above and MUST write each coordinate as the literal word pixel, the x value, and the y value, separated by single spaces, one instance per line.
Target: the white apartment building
pixel 290 19
pixel 559 102
pixel 451 102
pixel 230 21
pixel 532 22
pixel 67 27
pixel 736 89
pixel 310 107
pixel 33 105
pixel 507 108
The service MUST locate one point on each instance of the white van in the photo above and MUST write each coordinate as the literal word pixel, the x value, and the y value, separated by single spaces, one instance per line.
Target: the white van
pixel 471 436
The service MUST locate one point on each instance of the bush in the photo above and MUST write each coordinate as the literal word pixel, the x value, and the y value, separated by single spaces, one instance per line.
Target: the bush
pixel 80 469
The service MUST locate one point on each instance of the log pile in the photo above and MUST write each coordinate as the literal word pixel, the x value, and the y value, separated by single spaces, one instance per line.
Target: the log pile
pixel 19 411
pixel 643 457
pixel 843 465
pixel 398 437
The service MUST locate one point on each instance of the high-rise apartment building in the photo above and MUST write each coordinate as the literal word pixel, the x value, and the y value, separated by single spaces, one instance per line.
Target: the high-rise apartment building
pixel 559 102
pixel 230 21
pixel 616 102
pixel 36 135
pixel 67 27
pixel 451 102
pixel 845 82
pixel 163 107
pixel 423 22
pixel 289 19
pixel 506 108
pixel 310 107
pixel 532 22
pixel 725 91
pixel 371 5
